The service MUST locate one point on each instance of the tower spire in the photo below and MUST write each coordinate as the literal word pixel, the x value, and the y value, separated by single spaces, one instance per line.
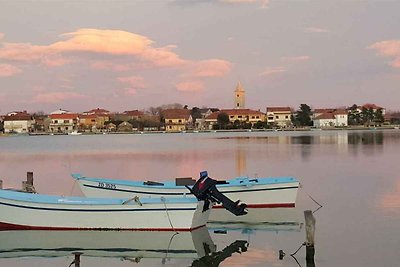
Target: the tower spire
pixel 239 96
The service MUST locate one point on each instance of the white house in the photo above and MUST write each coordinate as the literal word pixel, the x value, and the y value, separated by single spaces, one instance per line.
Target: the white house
pixel 63 122
pixel 18 122
pixel 335 118
pixel 279 116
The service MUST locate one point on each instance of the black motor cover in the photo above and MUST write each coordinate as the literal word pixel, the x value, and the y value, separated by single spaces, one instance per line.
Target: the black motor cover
pixel 205 189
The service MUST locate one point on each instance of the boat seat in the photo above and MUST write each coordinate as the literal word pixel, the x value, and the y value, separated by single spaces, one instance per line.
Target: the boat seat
pixel 152 183
pixel 184 181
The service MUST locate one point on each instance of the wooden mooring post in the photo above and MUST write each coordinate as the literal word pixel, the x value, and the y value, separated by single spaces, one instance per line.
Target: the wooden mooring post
pixel 77 259
pixel 310 234
pixel 27 185
pixel 1 184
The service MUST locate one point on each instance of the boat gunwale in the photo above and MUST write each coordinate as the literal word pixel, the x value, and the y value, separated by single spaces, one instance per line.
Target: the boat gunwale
pixel 236 182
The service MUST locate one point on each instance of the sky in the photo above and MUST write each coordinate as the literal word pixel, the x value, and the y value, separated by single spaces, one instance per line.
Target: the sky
pixel 126 55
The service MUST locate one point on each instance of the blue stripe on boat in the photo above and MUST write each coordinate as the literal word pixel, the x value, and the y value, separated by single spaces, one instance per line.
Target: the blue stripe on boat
pixel 47 199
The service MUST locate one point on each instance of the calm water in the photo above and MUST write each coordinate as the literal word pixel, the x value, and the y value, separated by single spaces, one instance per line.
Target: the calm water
pixel 354 175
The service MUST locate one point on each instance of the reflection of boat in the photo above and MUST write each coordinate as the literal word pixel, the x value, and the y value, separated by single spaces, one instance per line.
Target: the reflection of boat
pixel 279 219
pixel 214 259
pixel 75 133
pixel 24 211
pixel 121 244
pixel 257 193
pixel 125 245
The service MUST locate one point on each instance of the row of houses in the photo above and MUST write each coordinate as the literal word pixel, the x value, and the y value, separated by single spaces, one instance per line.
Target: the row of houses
pixel 63 121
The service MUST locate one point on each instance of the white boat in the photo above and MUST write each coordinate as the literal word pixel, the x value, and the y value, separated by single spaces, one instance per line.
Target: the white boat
pixel 126 245
pixel 25 211
pixel 75 132
pixel 257 193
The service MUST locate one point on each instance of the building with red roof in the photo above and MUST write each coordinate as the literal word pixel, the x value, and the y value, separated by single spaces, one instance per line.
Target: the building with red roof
pixel 242 115
pixel 330 117
pixel 64 122
pixel 18 122
pixel 177 119
pixel 281 116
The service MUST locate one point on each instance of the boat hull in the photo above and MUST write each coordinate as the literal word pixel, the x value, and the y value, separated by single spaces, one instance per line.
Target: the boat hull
pixel 256 195
pixel 23 211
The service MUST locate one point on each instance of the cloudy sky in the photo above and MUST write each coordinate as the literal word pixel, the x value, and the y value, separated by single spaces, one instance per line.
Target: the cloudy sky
pixel 123 55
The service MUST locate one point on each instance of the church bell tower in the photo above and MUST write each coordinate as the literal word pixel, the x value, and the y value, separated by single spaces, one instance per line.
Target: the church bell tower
pixel 239 96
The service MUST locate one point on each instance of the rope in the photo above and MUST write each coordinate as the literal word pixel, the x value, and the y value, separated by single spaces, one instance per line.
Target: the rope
pixel 166 209
pixel 135 198
pixel 73 187
pixel 320 206
pixel 169 244
pixel 294 253
pixel 316 202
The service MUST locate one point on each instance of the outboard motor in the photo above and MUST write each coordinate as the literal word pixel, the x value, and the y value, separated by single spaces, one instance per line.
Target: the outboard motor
pixel 205 189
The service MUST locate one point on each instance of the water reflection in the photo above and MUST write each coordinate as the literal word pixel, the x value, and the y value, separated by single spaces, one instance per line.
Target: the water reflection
pixel 241 166
pixel 265 219
pixel 366 138
pixel 130 246
pixel 125 245
pixel 213 259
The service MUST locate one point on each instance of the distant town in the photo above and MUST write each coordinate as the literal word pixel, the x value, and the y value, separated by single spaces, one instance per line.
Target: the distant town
pixel 181 118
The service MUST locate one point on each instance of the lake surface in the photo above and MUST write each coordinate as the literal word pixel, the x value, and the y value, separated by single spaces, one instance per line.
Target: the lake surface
pixel 355 175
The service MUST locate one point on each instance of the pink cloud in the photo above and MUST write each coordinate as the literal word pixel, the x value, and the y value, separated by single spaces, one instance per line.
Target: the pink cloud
pixel 1 35
pixel 113 42
pixel 273 71
pixel 108 65
pixel 133 83
pixel 295 59
pixel 315 30
pixel 396 63
pixel 22 51
pixel 210 68
pixel 8 70
pixel 55 61
pixel 190 86
pixel 389 48
pixel 263 3
pixel 56 97
pixel 162 57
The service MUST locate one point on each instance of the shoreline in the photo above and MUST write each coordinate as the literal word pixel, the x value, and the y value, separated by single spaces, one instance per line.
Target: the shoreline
pixel 304 129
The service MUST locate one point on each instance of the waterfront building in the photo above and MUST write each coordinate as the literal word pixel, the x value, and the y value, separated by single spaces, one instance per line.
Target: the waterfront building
pixel 128 115
pixel 279 116
pixel 94 120
pixel 125 127
pixel 177 119
pixel 60 111
pixel 239 96
pixel 330 118
pixel 236 115
pixel 200 123
pixel 64 122
pixel 372 107
pixel 18 122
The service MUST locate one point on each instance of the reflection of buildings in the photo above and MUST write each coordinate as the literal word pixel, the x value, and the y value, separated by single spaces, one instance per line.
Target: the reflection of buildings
pixel 241 165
